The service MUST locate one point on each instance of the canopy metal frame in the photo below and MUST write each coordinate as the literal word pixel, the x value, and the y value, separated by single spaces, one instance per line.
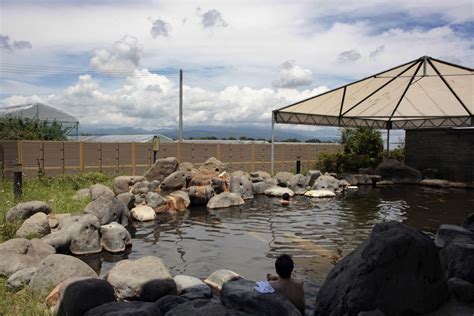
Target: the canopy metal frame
pixel 347 118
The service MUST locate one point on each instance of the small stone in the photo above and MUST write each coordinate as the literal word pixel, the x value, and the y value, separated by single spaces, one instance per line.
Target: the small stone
pixel 143 213
pixel 219 277
pixel 320 193
pixel 279 191
pixel 225 199
pixel 154 199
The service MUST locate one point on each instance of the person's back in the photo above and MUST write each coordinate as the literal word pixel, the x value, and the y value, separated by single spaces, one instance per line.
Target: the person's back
pixel 287 286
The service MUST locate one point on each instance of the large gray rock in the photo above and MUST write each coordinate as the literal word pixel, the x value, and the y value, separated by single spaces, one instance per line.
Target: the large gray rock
pixel 59 240
pixel 363 179
pixel 141 188
pixel 123 184
pixel 396 270
pixel 181 195
pixel 161 169
pixel 463 290
pixel 80 296
pixel 128 199
pixel 241 295
pixel 241 184
pixel 82 194
pixel 186 166
pixel 143 213
pixel 154 199
pixel 261 186
pixel 125 309
pixel 326 182
pixel 202 307
pixel 200 195
pixel 393 170
pixel 128 276
pixel 85 236
pixel 457 258
pixel 283 178
pixel 447 232
pixel 35 226
pixel 313 175
pixel 176 181
pixel 350 178
pixel 22 211
pixel 115 238
pixel 20 279
pixel 108 210
pixel 225 199
pixel 20 253
pixel 258 176
pixel 98 190
pixel 279 191
pixel 56 268
pixel 213 165
pixel 299 183
pixel 469 222
pixel 191 287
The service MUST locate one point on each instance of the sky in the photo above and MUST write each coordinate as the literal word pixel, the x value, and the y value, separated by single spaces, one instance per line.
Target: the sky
pixel 116 63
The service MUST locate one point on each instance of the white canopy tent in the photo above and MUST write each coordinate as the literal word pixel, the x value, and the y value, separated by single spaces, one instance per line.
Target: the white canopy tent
pixel 423 93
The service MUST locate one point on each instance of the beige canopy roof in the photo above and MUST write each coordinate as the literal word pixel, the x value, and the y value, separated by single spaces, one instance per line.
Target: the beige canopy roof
pixel 426 92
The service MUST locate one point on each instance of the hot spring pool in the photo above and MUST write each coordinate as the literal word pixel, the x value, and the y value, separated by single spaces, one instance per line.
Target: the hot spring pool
pixel 316 232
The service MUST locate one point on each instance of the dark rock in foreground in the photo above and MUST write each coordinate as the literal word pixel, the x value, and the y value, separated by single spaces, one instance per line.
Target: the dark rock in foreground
pixel 396 270
pixel 241 295
pixel 168 302
pixel 457 258
pixel 393 170
pixel 125 309
pixel 203 307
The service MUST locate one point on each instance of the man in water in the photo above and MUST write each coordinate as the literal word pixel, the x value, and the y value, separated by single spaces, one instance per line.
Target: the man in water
pixel 285 200
pixel 287 286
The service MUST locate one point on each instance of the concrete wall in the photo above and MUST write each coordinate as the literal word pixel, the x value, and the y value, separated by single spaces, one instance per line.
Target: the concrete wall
pixel 451 151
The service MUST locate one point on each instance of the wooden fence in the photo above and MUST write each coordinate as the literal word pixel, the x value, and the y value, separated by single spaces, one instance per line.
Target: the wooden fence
pixel 54 158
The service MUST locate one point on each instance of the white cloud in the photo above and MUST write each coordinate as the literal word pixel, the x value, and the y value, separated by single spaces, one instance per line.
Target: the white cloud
pixel 349 56
pixel 292 76
pixel 124 56
pixel 379 50
pixel 212 18
pixel 159 28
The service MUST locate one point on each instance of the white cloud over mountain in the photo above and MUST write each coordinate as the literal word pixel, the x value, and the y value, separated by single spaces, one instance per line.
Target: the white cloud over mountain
pixel 292 76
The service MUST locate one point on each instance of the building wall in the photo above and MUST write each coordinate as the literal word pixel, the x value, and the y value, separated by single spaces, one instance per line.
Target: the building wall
pixel 451 151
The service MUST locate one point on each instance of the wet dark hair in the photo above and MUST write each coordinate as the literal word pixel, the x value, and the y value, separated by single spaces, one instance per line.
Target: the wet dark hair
pixel 286 196
pixel 284 266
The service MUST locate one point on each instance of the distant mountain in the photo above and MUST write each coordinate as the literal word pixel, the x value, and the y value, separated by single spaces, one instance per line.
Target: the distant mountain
pixel 324 133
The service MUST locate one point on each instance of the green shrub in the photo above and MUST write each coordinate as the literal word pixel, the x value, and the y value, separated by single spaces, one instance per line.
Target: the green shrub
pixel 362 141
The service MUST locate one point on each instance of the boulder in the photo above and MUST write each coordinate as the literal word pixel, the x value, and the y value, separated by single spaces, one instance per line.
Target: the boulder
pixel 299 183
pixel 396 270
pixel 56 268
pixel 20 253
pixel 213 165
pixel 241 185
pixel 154 186
pixel 35 226
pixel 139 199
pixel 142 188
pixel 202 307
pixel 262 186
pixel 430 173
pixel 192 288
pixel 457 257
pixel 154 199
pixel 25 210
pixel 88 292
pixel 143 213
pixel 225 199
pixel 127 198
pixel 115 238
pixel 200 195
pixel 82 194
pixel 183 195
pixel 153 290
pixel 447 232
pixel 20 279
pixel 168 302
pixel 320 193
pixel 123 184
pixel 204 178
pixel 469 222
pixel 326 182
pixel 279 191
pixel 219 277
pixel 393 170
pixel 186 166
pixel 313 175
pixel 128 276
pixel 161 169
pixel 363 179
pixel 241 295
pixel 125 309
pixel 53 219
pixel 462 290
pixel 176 181
pixel 258 176
pixel 283 178
pixel 59 240
pixel 348 177
pixel 108 210
pixel 85 235
pixel 98 190
pixel 384 183
pixel 435 183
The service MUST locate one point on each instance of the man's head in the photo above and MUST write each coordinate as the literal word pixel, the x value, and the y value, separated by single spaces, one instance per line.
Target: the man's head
pixel 284 266
pixel 286 197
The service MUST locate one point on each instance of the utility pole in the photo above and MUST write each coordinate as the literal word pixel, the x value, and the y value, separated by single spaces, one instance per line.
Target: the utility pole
pixel 180 105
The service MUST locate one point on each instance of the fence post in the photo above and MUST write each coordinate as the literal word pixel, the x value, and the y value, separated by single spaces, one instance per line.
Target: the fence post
pixel 252 168
pixel 218 151
pixel 134 157
pixel 17 181
pixel 117 149
pixel 63 159
pixel 100 157
pixel 81 157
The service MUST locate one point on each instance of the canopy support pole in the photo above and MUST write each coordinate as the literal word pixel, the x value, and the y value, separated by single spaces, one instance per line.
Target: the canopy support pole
pixel 273 145
pixel 389 127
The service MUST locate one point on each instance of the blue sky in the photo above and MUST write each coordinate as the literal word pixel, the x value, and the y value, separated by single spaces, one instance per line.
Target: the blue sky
pixel 115 63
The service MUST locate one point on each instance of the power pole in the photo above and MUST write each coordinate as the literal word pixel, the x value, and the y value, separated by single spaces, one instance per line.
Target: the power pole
pixel 180 105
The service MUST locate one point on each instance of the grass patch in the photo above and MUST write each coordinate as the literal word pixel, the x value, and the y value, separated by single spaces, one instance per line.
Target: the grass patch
pixel 57 192
pixel 20 303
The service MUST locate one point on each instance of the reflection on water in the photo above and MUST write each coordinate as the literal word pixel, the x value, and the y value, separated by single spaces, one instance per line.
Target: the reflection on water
pixel 316 232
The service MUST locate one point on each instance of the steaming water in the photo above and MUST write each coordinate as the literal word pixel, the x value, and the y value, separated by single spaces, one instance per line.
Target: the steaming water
pixel 316 232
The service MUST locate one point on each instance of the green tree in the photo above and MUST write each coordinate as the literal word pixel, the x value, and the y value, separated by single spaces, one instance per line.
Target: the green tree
pixel 362 141
pixel 313 140
pixel 18 129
